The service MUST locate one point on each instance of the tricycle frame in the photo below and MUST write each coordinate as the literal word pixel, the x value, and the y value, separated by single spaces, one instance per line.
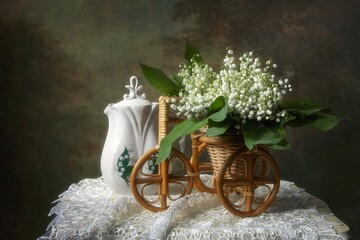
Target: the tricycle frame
pixel 258 170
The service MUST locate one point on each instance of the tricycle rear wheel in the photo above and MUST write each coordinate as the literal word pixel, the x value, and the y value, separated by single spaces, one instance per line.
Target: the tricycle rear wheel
pixel 248 192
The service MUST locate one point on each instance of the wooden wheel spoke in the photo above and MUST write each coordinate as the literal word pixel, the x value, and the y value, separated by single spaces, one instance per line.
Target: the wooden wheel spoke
pixel 151 180
pixel 263 181
pixel 205 167
pixel 236 182
pixel 173 178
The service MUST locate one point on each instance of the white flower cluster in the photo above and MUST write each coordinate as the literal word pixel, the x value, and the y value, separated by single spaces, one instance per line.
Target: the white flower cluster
pixel 196 96
pixel 252 90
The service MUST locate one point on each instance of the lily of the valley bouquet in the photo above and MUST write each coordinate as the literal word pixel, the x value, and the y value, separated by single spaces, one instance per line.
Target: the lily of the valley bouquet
pixel 243 97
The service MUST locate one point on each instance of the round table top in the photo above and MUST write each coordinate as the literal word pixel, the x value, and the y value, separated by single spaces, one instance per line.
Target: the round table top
pixel 90 209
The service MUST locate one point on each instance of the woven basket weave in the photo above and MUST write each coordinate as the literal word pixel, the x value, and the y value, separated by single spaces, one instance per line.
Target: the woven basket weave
pixel 224 146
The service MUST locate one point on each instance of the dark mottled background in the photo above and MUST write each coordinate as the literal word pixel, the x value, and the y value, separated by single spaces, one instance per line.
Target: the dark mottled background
pixel 62 62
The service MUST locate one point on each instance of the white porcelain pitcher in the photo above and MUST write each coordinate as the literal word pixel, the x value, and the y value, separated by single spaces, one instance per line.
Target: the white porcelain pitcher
pixel 133 128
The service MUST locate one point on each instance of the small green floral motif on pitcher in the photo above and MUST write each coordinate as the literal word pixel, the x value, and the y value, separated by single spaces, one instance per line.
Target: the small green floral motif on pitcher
pixel 124 167
pixel 152 166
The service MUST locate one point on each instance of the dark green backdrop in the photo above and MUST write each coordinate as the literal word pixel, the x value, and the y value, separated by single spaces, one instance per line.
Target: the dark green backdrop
pixel 62 62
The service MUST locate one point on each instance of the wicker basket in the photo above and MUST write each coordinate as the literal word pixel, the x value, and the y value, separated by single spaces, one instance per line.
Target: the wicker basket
pixel 220 148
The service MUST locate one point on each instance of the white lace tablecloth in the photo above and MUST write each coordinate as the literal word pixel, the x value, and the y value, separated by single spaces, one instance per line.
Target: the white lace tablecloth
pixel 91 210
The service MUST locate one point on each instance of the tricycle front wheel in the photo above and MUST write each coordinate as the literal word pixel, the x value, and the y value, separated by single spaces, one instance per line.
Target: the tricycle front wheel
pixel 155 187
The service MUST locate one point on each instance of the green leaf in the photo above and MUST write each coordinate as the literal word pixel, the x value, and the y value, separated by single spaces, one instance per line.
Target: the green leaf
pixel 324 121
pixel 282 145
pixel 125 152
pixel 128 171
pixel 177 80
pixel 191 52
pixel 125 162
pixel 257 133
pixel 218 113
pixel 159 80
pixel 218 128
pixel 218 109
pixel 299 121
pixel 186 127
pixel 303 107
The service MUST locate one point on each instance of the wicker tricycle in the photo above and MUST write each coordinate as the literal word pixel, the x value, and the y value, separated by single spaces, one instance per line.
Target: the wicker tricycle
pixel 246 181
